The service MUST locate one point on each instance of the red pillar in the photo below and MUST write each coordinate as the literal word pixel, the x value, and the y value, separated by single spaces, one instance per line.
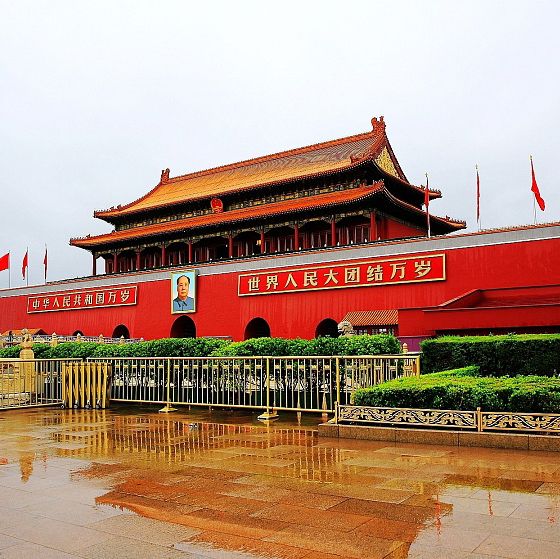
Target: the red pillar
pixel 163 256
pixel 296 237
pixel 190 252
pixel 137 259
pixel 230 246
pixel 333 233
pixel 373 226
pixel 115 263
pixel 262 242
pixel 94 264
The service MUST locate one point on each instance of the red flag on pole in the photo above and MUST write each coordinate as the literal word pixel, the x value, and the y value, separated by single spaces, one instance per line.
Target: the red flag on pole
pixel 45 262
pixel 427 204
pixel 25 263
pixel 5 262
pixel 477 196
pixel 535 188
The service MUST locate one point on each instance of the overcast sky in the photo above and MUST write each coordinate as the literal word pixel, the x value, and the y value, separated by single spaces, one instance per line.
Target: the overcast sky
pixel 97 97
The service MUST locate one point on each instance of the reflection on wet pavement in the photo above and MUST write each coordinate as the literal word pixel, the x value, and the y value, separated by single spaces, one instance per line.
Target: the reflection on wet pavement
pixel 134 483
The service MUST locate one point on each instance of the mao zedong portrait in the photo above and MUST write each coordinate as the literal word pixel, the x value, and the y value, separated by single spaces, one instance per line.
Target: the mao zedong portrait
pixel 183 302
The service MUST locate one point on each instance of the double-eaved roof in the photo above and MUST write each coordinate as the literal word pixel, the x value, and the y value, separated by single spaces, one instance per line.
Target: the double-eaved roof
pixel 317 160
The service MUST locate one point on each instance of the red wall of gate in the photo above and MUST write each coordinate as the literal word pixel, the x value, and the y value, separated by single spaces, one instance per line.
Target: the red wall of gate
pixel 221 312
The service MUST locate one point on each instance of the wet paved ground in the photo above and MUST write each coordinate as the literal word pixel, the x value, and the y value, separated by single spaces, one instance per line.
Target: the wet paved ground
pixel 124 483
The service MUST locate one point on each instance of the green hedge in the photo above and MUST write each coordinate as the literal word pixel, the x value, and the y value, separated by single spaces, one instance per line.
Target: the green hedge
pixel 202 347
pixel 11 352
pixel 352 345
pixel 463 389
pixel 168 347
pixel 529 354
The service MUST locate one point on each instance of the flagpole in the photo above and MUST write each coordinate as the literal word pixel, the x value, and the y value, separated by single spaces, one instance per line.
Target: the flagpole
pixel 534 211
pixel 427 198
pixel 478 199
pixel 9 271
pixel 534 199
pixel 27 270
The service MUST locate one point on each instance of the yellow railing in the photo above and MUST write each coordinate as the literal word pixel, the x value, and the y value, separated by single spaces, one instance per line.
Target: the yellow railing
pixel 312 383
pixel 445 419
pixel 30 382
pixel 86 385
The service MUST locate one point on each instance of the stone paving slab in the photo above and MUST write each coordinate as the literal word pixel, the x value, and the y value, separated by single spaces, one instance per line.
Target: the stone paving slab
pixel 139 485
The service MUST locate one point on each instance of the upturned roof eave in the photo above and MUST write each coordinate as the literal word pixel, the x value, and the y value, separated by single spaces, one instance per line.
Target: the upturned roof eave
pixel 454 225
pixel 378 188
pixel 85 242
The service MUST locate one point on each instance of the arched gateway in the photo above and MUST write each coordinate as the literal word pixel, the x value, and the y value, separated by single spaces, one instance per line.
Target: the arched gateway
pixel 183 327
pixel 327 327
pixel 121 331
pixel 257 328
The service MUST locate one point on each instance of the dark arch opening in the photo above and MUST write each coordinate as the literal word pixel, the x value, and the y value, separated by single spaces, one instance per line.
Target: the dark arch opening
pixel 327 327
pixel 121 330
pixel 78 332
pixel 257 328
pixel 183 327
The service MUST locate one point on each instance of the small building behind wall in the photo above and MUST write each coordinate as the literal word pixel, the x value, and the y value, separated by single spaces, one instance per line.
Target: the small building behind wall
pixel 374 322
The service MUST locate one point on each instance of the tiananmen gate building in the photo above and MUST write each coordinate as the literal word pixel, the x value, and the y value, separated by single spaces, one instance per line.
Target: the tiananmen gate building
pixel 291 244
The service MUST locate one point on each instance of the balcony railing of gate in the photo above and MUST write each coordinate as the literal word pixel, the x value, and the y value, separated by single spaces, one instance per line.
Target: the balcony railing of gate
pixel 54 338
pixel 31 382
pixel 281 383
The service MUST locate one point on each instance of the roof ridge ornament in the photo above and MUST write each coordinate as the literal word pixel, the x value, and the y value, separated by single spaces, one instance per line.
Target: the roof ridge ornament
pixel 164 176
pixel 378 124
pixel 378 128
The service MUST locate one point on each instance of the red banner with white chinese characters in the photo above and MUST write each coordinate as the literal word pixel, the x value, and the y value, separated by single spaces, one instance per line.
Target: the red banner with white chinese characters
pixel 365 273
pixel 86 299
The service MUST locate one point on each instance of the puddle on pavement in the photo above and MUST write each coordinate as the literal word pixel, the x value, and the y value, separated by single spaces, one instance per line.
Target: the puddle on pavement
pixel 280 491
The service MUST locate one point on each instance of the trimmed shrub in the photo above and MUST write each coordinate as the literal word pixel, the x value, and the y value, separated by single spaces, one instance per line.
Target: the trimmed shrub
pixel 471 371
pixel 184 347
pixel 323 345
pixel 69 350
pixel 168 347
pixel 352 345
pixel 12 352
pixel 526 354
pixel 203 347
pixel 369 345
pixel 261 346
pixel 463 390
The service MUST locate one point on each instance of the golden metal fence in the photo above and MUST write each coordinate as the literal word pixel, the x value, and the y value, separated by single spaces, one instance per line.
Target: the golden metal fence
pixel 30 382
pixel 311 383
pixel 86 385
pixel 444 419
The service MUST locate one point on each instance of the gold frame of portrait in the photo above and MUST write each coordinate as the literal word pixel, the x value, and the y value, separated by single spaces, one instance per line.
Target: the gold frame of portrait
pixel 191 274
